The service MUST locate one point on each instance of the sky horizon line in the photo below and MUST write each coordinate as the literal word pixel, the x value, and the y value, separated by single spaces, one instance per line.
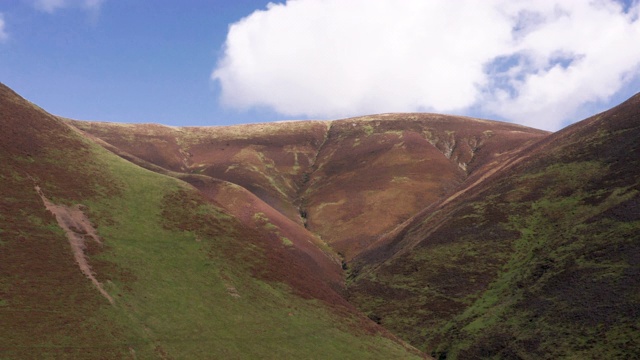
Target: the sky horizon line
pixel 543 64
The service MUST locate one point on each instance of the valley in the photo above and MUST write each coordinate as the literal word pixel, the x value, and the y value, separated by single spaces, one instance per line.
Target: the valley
pixel 405 235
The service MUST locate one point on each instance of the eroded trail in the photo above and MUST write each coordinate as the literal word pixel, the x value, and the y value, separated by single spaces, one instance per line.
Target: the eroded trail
pixel 78 228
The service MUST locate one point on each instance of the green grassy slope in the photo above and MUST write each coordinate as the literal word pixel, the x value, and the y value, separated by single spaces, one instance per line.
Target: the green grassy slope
pixel 189 280
pixel 540 261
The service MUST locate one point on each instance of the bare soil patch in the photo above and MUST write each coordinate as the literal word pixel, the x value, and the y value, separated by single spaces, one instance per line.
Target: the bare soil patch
pixel 77 228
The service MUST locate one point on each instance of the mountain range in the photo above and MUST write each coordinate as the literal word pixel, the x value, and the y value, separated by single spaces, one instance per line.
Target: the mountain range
pixel 387 236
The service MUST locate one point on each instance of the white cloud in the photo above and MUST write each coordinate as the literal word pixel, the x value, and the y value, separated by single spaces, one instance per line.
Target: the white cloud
pixel 3 33
pixel 535 62
pixel 51 6
pixel 576 53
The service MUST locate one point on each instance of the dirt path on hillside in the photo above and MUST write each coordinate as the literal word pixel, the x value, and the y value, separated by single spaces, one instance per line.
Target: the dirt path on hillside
pixel 78 228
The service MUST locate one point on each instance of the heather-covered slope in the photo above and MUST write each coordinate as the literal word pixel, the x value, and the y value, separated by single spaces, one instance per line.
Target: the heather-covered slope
pixel 347 181
pixel 540 260
pixel 267 159
pixel 100 258
pixel 374 172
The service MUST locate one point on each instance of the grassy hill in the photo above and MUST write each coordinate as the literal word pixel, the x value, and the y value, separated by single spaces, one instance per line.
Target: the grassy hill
pixel 467 238
pixel 171 275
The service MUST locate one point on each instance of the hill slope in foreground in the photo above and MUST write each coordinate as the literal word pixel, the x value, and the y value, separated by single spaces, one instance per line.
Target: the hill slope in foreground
pixel 100 258
pixel 467 238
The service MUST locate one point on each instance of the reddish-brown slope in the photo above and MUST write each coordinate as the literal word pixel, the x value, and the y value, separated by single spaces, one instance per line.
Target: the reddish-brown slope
pixel 295 255
pixel 267 159
pixel 349 180
pixel 156 144
pixel 375 172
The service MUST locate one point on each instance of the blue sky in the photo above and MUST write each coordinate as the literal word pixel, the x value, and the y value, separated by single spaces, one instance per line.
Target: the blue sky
pixel 543 63
pixel 130 61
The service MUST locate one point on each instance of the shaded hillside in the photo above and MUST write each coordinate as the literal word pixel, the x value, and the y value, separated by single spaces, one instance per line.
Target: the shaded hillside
pixel 539 260
pixel 100 258
pixel 347 181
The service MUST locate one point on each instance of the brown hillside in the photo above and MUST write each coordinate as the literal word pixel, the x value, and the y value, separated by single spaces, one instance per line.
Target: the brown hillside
pixel 296 256
pixel 267 159
pixel 547 245
pixel 375 172
pixel 347 181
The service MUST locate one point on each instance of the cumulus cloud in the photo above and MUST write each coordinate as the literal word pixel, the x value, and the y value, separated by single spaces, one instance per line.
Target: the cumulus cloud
pixel 533 62
pixel 51 6
pixel 3 33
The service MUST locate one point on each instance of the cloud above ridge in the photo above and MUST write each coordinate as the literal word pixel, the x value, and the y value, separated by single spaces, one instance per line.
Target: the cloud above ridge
pixel 532 62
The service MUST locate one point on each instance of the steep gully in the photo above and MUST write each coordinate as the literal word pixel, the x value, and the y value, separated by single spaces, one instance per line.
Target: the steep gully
pixel 299 200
